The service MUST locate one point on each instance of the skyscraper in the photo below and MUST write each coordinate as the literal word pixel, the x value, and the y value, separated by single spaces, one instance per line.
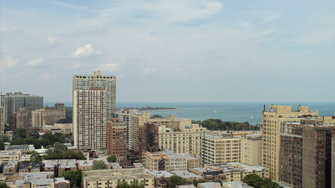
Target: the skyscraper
pixel 272 121
pixel 13 101
pixel 97 80
pixel 89 119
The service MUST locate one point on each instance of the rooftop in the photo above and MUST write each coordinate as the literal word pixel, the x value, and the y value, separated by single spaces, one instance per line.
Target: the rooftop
pixel 116 174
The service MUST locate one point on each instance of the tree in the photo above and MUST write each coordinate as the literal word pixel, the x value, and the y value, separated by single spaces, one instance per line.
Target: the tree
pixel 111 159
pixel 173 181
pixel 133 185
pixel 3 185
pixel 156 116
pixel 98 165
pixel 35 157
pixel 33 134
pixel 73 176
pixel 258 182
pixel 19 133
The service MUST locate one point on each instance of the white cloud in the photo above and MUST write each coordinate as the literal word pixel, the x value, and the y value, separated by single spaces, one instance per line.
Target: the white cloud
pixel 109 67
pixel 51 40
pixel 270 17
pixel 35 62
pixel 47 76
pixel 7 62
pixel 5 29
pixel 148 70
pixel 83 51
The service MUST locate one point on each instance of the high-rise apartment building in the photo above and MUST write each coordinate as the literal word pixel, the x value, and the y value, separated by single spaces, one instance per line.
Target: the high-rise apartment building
pixel 290 168
pixel 89 119
pixel 217 149
pixel 272 121
pixel 251 151
pixel 54 114
pixel 186 140
pixel 2 120
pixel 13 101
pixel 97 80
pixel 117 139
pixel 137 124
pixel 316 155
pixel 38 118
pixel 22 119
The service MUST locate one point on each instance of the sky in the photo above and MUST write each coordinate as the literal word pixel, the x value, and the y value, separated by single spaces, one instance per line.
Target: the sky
pixel 172 50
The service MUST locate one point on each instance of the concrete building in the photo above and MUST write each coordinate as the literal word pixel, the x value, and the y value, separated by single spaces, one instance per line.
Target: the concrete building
pixel 13 101
pixel 113 177
pixel 290 167
pixel 169 161
pixel 125 115
pixel 186 140
pixel 235 172
pixel 316 154
pixel 2 120
pixel 137 122
pixel 89 119
pixel 251 150
pixel 6 155
pixel 217 149
pixel 149 138
pixel 117 139
pixel 27 166
pixel 48 116
pixel 64 128
pixel 22 119
pixel 97 80
pixel 272 120
pixel 171 122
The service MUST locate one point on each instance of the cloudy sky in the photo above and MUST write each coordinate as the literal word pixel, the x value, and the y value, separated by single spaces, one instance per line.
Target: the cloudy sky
pixel 172 50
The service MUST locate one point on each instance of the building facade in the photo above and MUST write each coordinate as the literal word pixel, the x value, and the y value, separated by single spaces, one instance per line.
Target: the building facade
pixel 186 140
pixel 13 101
pixel 97 80
pixel 38 118
pixel 272 120
pixel 23 119
pixel 117 139
pixel 251 151
pixel 217 149
pixel 2 120
pixel 89 119
pixel 316 154
pixel 54 114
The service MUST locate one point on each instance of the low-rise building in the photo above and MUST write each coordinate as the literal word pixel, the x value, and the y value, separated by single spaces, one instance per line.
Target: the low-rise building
pixel 9 167
pixel 23 148
pixel 85 164
pixel 65 165
pixel 61 183
pixel 188 176
pixel 209 185
pixel 10 155
pixel 27 166
pixel 64 128
pixel 113 177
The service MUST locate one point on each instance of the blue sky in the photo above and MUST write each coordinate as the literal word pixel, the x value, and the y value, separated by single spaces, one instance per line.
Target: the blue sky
pixel 172 51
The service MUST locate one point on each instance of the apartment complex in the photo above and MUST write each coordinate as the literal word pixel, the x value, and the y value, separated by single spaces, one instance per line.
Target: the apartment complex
pixel 2 120
pixel 169 161
pixel 251 151
pixel 13 101
pixel 171 122
pixel 38 118
pixel 89 119
pixel 113 177
pixel 117 139
pixel 272 120
pixel 23 118
pixel 317 156
pixel 217 149
pixel 187 139
pixel 291 154
pixel 137 122
pixel 97 80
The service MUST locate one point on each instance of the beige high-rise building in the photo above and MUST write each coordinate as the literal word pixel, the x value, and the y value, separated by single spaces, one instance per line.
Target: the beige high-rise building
pixel 97 80
pixel 137 121
pixel 171 122
pixel 89 119
pixel 272 120
pixel 23 118
pixel 217 149
pixel 38 118
pixel 251 151
pixel 186 140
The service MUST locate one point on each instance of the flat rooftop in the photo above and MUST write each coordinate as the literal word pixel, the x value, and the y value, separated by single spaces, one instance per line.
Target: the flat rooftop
pixel 116 174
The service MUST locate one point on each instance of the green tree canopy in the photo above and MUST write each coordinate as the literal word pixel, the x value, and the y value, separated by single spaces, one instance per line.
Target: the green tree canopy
pixel 173 181
pixel 156 116
pixel 111 159
pixel 19 133
pixel 3 185
pixel 258 182
pixel 74 177
pixel 99 165
pixel 35 157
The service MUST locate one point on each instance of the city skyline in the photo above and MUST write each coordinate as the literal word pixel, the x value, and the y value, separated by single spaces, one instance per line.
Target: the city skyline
pixel 171 51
